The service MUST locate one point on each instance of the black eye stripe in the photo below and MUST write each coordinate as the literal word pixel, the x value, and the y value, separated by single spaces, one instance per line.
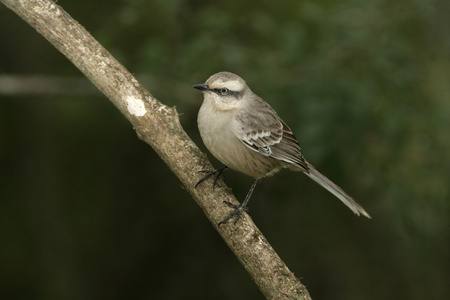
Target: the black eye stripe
pixel 228 92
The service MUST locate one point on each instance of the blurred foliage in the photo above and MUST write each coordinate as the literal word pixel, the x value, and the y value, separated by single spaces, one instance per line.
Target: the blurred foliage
pixel 87 211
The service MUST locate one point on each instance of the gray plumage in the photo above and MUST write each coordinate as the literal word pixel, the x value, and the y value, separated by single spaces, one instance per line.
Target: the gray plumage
pixel 243 132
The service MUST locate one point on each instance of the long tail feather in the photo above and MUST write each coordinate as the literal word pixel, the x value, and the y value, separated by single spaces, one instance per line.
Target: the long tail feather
pixel 337 191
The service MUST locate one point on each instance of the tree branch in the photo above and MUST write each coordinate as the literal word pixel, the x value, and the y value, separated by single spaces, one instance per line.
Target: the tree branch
pixel 159 126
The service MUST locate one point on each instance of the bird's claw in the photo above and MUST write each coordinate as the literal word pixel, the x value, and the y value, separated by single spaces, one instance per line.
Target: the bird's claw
pixel 217 172
pixel 237 212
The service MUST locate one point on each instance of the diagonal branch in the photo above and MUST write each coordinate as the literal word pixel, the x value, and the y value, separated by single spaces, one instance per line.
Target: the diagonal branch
pixel 159 126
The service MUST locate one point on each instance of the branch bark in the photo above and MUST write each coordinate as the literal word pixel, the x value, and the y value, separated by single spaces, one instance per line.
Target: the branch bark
pixel 159 126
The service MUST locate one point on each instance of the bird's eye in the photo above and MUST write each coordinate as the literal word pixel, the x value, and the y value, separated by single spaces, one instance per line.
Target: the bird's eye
pixel 223 91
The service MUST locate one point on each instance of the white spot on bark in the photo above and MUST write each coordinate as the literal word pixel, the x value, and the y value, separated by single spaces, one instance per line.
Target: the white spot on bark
pixel 135 106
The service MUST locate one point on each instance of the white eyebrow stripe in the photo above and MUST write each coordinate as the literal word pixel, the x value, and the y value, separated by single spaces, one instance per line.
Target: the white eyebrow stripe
pixel 234 85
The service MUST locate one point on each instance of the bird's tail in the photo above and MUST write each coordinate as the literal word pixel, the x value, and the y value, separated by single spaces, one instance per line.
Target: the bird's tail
pixel 335 190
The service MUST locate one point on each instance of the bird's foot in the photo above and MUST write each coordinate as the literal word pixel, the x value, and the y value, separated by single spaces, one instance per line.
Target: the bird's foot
pixel 236 213
pixel 217 173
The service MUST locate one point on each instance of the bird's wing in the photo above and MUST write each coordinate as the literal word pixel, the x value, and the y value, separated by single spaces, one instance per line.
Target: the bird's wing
pixel 261 129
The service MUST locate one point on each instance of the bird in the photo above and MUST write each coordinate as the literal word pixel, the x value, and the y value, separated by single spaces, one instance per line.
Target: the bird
pixel 245 133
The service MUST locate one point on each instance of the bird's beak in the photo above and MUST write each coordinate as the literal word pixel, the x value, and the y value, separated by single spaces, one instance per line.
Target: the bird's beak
pixel 202 87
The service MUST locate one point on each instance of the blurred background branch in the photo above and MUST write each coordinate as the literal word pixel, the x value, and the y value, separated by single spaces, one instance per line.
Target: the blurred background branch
pixel 41 85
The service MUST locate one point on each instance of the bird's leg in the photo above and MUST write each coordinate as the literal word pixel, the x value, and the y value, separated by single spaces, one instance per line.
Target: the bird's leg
pixel 239 209
pixel 217 172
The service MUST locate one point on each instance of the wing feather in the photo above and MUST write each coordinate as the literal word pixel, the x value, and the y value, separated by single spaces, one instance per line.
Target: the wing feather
pixel 262 130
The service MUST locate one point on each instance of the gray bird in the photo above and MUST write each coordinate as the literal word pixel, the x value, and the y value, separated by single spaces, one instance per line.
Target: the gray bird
pixel 244 133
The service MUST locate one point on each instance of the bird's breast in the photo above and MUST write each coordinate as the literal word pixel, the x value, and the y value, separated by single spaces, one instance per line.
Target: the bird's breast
pixel 216 131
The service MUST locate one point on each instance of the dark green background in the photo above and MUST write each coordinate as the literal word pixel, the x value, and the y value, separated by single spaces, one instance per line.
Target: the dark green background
pixel 88 211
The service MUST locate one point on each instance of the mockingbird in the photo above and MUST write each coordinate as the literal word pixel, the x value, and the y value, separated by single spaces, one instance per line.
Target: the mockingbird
pixel 243 132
